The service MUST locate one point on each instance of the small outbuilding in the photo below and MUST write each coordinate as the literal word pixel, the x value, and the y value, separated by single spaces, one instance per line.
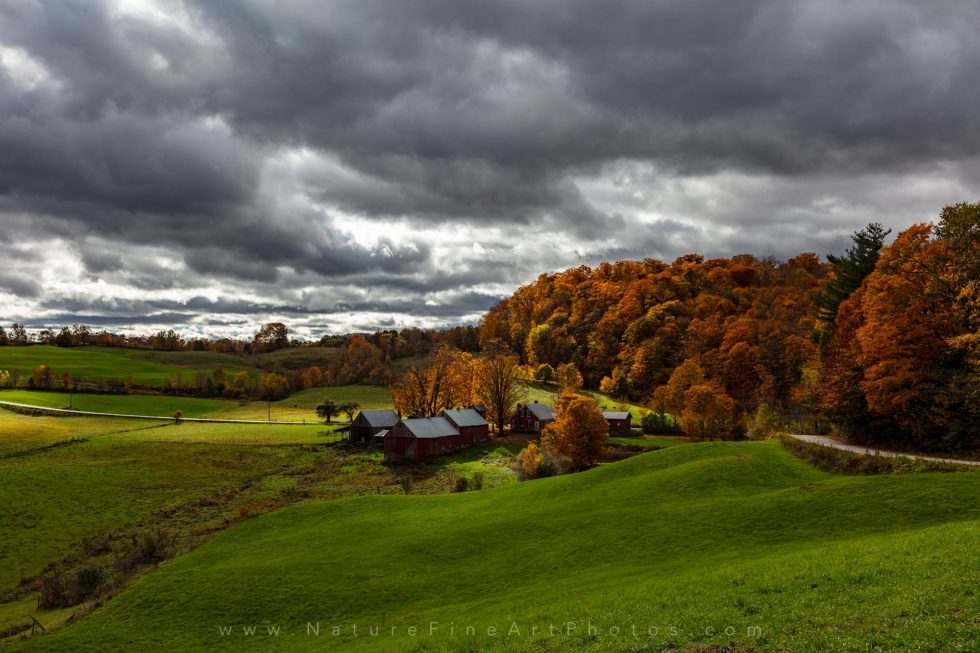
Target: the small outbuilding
pixel 369 423
pixel 620 421
pixel 417 438
pixel 470 424
pixel 531 418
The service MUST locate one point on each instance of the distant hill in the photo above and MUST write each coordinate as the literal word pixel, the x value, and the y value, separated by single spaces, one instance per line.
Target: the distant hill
pixel 626 326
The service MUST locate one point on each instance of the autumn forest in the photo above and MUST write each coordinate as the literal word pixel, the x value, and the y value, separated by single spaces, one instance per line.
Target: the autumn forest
pixel 881 345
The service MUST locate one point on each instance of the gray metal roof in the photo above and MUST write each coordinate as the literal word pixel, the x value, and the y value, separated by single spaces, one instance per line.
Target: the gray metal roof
pixel 464 417
pixel 430 427
pixel 380 418
pixel 541 411
pixel 616 414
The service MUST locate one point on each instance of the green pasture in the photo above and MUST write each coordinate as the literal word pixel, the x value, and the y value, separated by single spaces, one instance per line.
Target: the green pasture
pixel 159 405
pixel 681 543
pixel 302 405
pixel 138 366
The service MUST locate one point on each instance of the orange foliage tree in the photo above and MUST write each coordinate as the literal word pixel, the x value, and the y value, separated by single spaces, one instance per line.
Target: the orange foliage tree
pixel 495 383
pixel 709 413
pixel 529 462
pixel 311 377
pixel 445 382
pixel 579 432
pixel 358 361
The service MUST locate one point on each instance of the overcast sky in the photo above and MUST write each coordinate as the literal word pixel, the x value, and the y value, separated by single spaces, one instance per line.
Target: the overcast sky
pixel 357 165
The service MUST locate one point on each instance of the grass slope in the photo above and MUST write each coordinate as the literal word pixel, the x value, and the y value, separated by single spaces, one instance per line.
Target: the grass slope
pixel 302 405
pixel 54 499
pixel 147 368
pixel 691 540
pixel 161 405
pixel 65 480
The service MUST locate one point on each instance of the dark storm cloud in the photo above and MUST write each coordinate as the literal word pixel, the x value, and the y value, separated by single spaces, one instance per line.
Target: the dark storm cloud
pixel 539 86
pixel 261 145
pixel 20 285
pixel 116 320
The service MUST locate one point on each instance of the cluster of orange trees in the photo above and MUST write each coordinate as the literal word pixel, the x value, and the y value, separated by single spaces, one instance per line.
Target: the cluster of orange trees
pixel 882 342
pixel 902 354
pixel 452 378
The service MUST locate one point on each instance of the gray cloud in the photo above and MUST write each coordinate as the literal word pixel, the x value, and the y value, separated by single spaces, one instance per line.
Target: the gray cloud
pixel 314 155
pixel 18 284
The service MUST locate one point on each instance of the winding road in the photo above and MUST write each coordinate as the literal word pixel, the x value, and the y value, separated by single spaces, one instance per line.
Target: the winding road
pixel 824 441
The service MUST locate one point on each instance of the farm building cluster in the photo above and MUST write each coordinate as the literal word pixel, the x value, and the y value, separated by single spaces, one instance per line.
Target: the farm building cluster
pixel 534 417
pixel 417 438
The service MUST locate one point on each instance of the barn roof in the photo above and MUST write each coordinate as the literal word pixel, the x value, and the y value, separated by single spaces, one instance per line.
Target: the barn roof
pixel 616 414
pixel 430 427
pixel 464 417
pixel 541 411
pixel 380 418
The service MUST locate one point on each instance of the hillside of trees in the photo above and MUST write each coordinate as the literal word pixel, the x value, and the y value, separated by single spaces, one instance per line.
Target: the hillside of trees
pixel 881 344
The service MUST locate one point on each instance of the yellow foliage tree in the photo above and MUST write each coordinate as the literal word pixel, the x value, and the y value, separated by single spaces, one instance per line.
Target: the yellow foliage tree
pixel 42 377
pixel 529 462
pixel 568 377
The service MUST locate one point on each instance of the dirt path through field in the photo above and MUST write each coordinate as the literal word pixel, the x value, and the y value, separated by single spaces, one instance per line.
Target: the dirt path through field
pixel 824 441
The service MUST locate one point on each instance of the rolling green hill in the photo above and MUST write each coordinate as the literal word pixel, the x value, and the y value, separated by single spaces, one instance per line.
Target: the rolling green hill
pixel 158 405
pixel 140 367
pixel 691 541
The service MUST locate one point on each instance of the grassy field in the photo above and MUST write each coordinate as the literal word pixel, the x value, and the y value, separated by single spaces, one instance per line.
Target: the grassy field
pixel 65 481
pixel 690 541
pixel 297 407
pixel 301 405
pixel 649 441
pixel 54 499
pixel 161 405
pixel 140 367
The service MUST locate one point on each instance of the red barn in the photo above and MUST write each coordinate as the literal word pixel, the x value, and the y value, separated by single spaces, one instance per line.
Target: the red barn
pixel 620 421
pixel 418 438
pixel 531 418
pixel 471 426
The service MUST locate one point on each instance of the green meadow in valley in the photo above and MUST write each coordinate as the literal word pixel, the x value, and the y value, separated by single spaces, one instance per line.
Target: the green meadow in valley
pixel 690 540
